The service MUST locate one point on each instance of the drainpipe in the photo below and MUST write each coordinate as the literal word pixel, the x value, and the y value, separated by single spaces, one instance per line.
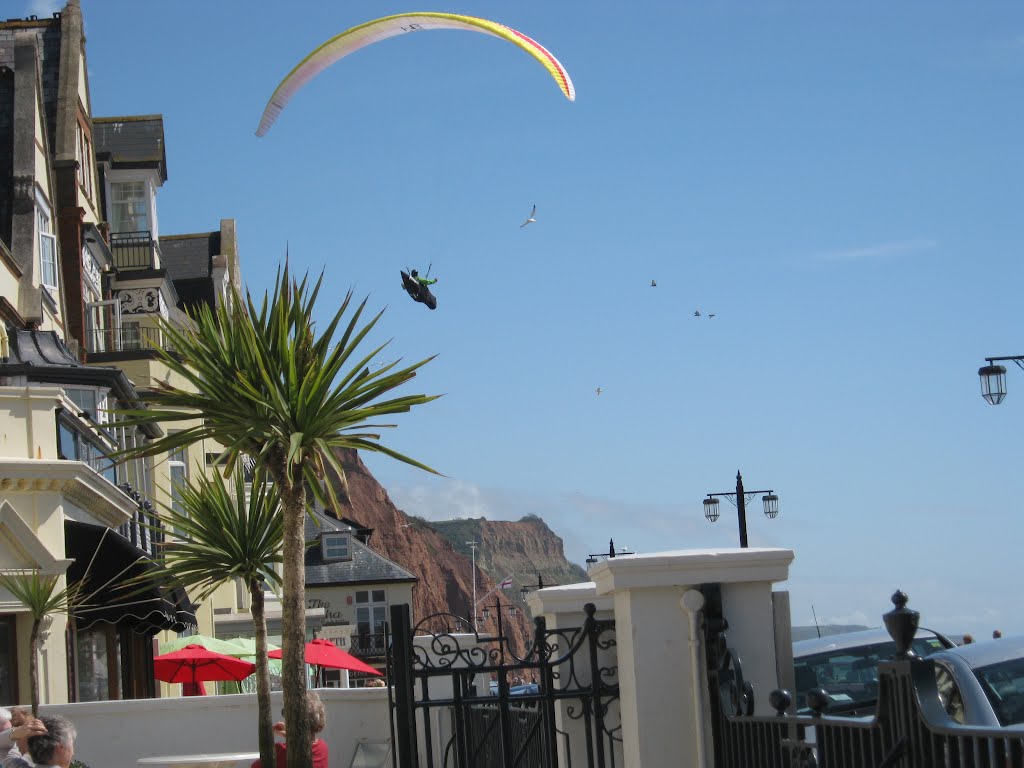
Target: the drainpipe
pixel 692 602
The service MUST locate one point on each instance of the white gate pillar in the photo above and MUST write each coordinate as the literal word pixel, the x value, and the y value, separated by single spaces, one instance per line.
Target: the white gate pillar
pixel 562 608
pixel 661 723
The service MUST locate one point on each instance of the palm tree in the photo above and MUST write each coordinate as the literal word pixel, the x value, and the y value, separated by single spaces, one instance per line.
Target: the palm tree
pixel 220 537
pixel 267 386
pixel 39 594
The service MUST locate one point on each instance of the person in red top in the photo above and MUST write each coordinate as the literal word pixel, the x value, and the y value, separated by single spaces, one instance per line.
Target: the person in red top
pixel 317 722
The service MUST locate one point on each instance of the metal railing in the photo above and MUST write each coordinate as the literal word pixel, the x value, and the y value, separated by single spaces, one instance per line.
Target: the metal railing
pixel 368 646
pixel 910 729
pixel 128 338
pixel 134 250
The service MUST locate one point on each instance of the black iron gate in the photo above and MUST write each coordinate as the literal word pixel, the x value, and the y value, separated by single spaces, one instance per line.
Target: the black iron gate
pixel 453 706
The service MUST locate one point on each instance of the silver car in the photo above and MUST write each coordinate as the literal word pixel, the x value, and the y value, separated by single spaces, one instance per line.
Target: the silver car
pixel 982 684
pixel 846 667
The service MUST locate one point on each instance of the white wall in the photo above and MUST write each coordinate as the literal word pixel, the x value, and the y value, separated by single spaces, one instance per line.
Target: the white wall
pixel 115 734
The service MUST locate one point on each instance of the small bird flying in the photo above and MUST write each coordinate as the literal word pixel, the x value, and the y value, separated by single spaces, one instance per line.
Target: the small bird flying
pixel 597 391
pixel 531 219
pixel 654 283
pixel 710 315
pixel 696 313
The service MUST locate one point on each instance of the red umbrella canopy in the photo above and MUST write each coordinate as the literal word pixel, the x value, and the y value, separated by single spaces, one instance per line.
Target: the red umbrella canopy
pixel 193 664
pixel 323 653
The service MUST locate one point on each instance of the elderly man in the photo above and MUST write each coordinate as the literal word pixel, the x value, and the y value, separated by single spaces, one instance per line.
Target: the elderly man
pixel 56 747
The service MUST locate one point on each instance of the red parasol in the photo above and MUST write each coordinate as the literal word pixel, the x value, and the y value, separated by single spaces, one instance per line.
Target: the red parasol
pixel 323 653
pixel 193 664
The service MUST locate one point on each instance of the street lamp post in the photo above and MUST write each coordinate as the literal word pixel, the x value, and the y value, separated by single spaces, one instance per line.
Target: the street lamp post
pixel 592 558
pixel 993 378
pixel 739 498
pixel 473 545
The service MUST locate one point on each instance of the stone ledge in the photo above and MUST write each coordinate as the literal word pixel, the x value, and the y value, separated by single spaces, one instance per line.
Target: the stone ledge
pixel 690 567
pixel 76 480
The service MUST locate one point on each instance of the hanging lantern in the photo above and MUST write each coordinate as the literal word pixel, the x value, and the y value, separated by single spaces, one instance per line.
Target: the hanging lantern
pixel 711 509
pixel 993 383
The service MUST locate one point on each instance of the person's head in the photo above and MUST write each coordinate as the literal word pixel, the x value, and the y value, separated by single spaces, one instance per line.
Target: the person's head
pixel 996 634
pixel 414 273
pixel 968 639
pixel 57 745
pixel 315 713
pixel 20 716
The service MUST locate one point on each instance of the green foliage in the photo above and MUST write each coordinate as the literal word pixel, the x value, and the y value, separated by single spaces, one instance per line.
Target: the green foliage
pixel 270 388
pixel 223 535
pixel 39 593
pixel 531 518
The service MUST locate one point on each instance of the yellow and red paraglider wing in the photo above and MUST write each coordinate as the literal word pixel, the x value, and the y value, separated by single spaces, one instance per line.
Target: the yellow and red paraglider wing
pixel 353 39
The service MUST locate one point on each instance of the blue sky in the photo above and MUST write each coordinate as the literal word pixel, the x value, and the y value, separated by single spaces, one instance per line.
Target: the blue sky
pixel 840 184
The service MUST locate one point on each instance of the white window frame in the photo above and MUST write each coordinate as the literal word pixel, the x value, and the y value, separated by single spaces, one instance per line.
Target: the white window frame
pixel 333 541
pixel 177 465
pixel 47 246
pixel 116 223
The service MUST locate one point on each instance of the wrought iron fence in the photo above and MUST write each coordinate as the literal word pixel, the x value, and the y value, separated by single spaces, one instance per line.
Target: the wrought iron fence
pixel 910 729
pixel 454 704
pixel 134 250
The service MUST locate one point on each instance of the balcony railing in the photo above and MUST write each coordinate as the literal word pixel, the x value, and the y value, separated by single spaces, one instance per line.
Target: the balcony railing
pixel 135 250
pixel 368 646
pixel 145 530
pixel 129 338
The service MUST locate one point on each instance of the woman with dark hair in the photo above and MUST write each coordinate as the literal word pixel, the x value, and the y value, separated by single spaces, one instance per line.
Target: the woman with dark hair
pixel 317 716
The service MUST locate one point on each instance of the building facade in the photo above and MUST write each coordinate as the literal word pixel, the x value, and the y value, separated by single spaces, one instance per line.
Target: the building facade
pixel 84 278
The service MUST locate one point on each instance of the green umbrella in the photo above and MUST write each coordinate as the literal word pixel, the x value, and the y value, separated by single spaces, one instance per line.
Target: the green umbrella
pixel 209 643
pixel 247 646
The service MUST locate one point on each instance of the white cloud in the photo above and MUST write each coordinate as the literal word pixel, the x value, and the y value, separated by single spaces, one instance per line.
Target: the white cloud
pixel 880 251
pixel 44 8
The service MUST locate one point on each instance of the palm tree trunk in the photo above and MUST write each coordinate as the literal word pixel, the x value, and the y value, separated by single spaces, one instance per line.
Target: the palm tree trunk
pixel 265 718
pixel 33 665
pixel 293 619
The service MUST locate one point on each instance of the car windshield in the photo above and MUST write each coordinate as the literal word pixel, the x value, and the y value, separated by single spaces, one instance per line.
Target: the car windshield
pixel 850 675
pixel 1004 685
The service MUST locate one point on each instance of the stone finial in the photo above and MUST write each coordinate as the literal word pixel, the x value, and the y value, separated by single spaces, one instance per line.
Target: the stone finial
pixel 901 623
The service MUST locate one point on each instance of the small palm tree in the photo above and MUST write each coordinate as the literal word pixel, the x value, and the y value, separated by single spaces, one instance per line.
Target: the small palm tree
pixel 267 386
pixel 221 537
pixel 39 594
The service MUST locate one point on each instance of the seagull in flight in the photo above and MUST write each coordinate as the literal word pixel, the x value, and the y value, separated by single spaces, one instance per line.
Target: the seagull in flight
pixel 597 391
pixel 531 219
pixel 696 313
pixel 710 315
pixel 654 283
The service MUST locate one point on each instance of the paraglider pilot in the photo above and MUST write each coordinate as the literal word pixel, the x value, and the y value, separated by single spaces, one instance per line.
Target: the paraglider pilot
pixel 415 275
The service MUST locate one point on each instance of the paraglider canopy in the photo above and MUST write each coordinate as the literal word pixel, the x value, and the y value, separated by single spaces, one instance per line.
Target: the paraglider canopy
pixel 353 39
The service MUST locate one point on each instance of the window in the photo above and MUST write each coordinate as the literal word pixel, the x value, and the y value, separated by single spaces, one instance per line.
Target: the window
pixel 47 247
pixel 371 612
pixel 75 444
pixel 335 546
pixel 83 154
pixel 130 207
pixel 177 467
pixel 90 401
pixel 131 337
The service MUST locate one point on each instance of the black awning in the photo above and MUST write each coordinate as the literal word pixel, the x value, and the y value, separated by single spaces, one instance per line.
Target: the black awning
pixel 105 559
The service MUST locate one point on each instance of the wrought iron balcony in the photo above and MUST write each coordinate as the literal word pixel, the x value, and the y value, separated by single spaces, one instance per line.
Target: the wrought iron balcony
pixel 135 251
pixel 131 337
pixel 368 646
